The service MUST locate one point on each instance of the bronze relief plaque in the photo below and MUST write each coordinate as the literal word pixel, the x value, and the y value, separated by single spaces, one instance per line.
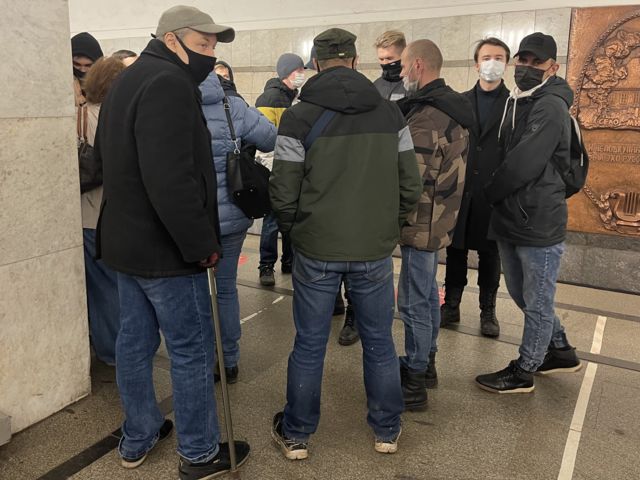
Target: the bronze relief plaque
pixel 604 72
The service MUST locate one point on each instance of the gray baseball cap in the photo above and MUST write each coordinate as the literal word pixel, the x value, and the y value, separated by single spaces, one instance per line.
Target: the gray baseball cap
pixel 182 16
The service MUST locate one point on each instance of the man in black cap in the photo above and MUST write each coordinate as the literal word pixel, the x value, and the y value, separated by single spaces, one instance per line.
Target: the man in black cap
pixel 529 219
pixel 159 230
pixel 344 180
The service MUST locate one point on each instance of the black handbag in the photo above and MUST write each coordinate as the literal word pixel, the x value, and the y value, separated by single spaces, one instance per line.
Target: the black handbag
pixel 247 180
pixel 90 168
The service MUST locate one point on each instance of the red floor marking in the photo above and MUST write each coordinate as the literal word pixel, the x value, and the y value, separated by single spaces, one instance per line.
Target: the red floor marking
pixel 242 260
pixel 441 296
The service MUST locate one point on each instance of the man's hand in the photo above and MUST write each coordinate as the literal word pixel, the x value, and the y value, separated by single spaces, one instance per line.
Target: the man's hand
pixel 211 261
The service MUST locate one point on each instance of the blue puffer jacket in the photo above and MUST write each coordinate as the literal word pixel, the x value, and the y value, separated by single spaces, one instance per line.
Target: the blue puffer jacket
pixel 250 126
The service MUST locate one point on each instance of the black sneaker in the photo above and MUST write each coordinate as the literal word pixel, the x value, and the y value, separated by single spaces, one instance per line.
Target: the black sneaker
pixel 163 433
pixel 286 268
pixel 267 278
pixel 216 467
pixel 512 379
pixel 230 373
pixel 449 314
pixel 349 333
pixel 560 361
pixel 291 449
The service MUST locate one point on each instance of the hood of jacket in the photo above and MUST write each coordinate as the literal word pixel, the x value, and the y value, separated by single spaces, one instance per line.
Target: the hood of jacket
pixel 439 95
pixel 341 89
pixel 277 84
pixel 228 67
pixel 211 88
pixel 556 86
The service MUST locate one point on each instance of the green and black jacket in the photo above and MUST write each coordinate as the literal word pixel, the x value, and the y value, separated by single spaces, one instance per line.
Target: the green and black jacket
pixel 347 196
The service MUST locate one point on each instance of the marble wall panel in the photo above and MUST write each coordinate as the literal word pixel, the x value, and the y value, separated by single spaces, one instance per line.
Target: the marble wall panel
pixel 483 26
pixel 555 22
pixel 429 28
pixel 455 39
pixel 224 51
pixel 40 193
pixel 516 26
pixel 302 41
pixel 262 52
pixel 35 37
pixel 404 26
pixel 241 49
pixel 44 364
pixel 456 77
pixel 260 80
pixel 244 82
pixel 138 44
pixel 368 34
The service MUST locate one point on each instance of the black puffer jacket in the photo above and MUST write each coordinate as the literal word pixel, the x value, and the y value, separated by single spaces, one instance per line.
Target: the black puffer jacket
pixel 526 190
pixel 159 210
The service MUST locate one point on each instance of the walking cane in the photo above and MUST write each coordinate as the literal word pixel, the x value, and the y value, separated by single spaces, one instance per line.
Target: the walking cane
pixel 213 292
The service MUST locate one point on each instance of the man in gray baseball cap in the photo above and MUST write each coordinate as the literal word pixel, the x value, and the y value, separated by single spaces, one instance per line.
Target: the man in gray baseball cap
pixel 160 232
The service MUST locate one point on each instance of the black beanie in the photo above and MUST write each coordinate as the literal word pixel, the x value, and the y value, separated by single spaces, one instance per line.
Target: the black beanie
pixel 85 45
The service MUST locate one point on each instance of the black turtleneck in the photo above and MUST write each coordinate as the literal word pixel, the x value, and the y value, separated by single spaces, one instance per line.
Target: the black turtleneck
pixel 485 101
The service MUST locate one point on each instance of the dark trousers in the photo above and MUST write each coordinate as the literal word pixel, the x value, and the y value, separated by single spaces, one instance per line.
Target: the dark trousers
pixel 488 269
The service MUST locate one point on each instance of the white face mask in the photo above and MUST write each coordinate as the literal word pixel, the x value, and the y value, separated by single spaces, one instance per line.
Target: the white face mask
pixel 492 70
pixel 410 86
pixel 298 80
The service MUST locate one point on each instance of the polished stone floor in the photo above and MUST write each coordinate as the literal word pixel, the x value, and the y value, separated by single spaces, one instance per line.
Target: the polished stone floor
pixel 584 426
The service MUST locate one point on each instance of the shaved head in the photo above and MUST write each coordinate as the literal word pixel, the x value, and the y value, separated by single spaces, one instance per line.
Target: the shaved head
pixel 428 52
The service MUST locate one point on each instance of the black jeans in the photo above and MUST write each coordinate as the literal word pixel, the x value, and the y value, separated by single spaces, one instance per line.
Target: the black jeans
pixel 488 269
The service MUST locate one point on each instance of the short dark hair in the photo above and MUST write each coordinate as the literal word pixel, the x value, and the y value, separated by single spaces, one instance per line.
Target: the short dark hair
pixel 491 41
pixel 122 54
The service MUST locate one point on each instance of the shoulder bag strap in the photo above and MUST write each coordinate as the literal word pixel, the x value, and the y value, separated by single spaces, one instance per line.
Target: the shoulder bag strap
pixel 227 111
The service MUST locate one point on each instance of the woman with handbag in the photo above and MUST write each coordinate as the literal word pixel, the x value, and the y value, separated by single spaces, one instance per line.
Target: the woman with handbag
pixel 102 287
pixel 245 125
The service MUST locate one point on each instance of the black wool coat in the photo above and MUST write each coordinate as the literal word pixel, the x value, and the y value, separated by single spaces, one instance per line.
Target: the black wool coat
pixel 484 157
pixel 159 214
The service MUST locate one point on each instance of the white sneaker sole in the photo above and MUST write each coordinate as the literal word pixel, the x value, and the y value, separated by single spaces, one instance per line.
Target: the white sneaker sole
pixel 132 465
pixel 289 454
pixel 515 390
pixel 386 447
pixel 575 369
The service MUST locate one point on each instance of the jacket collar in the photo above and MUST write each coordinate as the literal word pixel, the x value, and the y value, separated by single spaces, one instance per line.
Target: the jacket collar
pixel 156 48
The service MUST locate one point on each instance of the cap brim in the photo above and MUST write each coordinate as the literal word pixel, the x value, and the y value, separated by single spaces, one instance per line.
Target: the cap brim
pixel 538 54
pixel 225 34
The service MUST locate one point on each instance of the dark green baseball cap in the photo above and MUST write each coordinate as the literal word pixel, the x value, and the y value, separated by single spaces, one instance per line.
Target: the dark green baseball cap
pixel 182 16
pixel 335 43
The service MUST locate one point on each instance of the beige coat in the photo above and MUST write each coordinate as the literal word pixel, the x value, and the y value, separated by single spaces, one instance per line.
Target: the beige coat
pixel 90 201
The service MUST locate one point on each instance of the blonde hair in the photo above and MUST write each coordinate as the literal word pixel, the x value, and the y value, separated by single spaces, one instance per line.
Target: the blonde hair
pixel 391 38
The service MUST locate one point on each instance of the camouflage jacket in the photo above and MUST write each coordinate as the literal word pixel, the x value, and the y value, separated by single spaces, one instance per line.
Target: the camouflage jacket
pixel 438 119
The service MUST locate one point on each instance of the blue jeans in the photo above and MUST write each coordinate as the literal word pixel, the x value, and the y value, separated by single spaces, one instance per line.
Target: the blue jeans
pixel 269 243
pixel 419 306
pixel 102 301
pixel 228 304
pixel 181 308
pixel 370 285
pixel 531 274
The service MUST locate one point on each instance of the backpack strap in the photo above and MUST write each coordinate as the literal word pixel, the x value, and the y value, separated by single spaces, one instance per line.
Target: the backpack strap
pixel 576 129
pixel 321 124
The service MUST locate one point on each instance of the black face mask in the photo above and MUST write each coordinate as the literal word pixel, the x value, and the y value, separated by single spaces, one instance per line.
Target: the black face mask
pixel 199 65
pixel 78 74
pixel 528 77
pixel 391 71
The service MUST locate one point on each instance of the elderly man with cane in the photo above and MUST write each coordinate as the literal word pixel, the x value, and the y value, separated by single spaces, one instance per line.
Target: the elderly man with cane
pixel 159 230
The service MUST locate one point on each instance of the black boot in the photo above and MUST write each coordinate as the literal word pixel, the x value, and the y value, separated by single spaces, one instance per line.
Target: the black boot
pixel 431 377
pixel 560 360
pixel 349 333
pixel 414 391
pixel 512 379
pixel 489 326
pixel 450 309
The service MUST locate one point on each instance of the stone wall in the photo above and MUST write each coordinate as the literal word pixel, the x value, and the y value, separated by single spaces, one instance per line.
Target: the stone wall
pixel 44 345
